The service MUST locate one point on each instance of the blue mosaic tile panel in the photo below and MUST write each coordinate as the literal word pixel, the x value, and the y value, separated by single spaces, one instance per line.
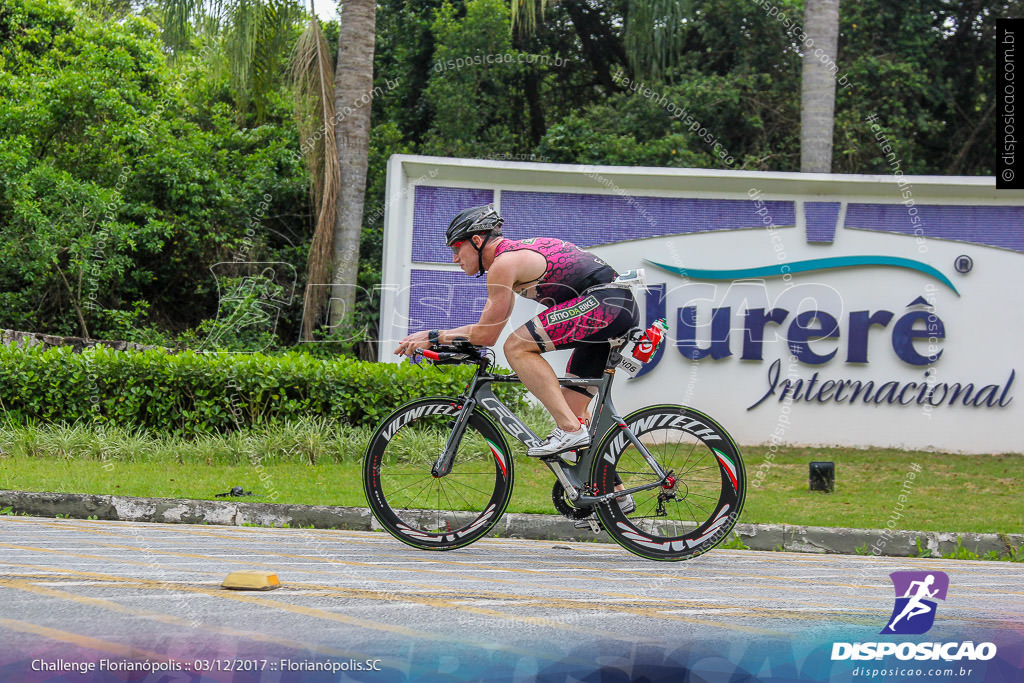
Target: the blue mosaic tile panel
pixel 444 299
pixel 821 219
pixel 589 219
pixel 433 209
pixel 993 226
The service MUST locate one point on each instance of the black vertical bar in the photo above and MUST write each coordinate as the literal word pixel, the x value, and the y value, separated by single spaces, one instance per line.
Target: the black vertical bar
pixel 1009 101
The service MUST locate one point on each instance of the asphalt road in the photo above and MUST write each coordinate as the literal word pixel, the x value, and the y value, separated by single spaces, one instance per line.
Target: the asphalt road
pixel 77 593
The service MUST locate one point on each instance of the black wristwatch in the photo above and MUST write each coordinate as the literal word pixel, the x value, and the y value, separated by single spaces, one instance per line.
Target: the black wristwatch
pixel 433 337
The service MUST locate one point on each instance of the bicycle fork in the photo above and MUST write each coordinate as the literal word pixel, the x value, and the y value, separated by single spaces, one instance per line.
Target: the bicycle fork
pixel 443 465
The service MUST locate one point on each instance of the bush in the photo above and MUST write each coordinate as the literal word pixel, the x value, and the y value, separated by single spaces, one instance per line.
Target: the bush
pixel 125 179
pixel 192 393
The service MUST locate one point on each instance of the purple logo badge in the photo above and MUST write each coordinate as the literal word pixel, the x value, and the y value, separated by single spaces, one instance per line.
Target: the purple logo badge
pixel 914 611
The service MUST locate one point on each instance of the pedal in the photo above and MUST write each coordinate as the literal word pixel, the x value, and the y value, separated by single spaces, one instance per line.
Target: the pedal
pixel 569 457
pixel 588 523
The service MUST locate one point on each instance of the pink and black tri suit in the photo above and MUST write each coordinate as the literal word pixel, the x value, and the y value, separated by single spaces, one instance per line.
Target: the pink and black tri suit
pixel 581 315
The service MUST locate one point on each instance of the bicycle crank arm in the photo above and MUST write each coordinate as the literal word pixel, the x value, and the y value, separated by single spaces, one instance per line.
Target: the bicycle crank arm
pixel 571 489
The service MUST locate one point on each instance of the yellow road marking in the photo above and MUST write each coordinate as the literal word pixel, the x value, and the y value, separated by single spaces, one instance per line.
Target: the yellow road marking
pixel 82 641
pixel 165 618
pixel 307 611
pixel 639 610
pixel 555 603
pixel 642 608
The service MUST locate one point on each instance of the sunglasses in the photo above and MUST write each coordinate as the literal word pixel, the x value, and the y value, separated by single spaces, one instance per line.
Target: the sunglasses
pixel 457 245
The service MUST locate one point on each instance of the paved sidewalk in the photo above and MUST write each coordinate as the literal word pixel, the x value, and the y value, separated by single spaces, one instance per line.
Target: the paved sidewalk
pixel 236 513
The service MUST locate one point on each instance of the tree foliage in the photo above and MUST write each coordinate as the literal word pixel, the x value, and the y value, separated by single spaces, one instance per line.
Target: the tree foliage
pixel 123 180
pixel 924 67
pixel 129 170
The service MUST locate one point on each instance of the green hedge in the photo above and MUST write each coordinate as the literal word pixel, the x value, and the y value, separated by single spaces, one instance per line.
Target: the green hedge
pixel 189 393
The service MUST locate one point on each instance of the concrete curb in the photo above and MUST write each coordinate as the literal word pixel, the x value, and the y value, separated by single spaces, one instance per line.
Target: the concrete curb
pixel 542 527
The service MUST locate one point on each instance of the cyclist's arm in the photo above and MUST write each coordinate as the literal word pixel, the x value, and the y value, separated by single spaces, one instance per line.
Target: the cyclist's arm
pixel 497 310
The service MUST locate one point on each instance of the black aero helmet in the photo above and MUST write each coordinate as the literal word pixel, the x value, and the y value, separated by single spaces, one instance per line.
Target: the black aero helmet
pixel 471 221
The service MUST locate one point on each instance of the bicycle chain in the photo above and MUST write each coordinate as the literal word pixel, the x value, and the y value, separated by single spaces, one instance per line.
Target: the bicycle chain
pixel 562 505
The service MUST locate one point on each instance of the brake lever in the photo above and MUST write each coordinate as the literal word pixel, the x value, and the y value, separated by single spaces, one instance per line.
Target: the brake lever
pixel 442 357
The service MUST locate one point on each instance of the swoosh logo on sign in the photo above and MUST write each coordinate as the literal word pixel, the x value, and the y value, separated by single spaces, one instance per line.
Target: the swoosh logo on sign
pixel 780 269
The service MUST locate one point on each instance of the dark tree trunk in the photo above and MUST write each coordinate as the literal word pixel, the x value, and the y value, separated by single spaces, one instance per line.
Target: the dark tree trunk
pixel 602 48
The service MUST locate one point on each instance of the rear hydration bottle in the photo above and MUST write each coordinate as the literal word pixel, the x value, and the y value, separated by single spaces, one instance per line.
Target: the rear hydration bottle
pixel 645 347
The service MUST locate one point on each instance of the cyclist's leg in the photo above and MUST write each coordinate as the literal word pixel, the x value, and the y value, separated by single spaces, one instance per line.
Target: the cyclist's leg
pixel 590 354
pixel 579 399
pixel 587 360
pixel 584 324
pixel 616 314
pixel 522 349
pixel 560 326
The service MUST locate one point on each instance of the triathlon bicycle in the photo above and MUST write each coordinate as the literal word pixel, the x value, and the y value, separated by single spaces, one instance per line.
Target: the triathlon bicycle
pixel 438 472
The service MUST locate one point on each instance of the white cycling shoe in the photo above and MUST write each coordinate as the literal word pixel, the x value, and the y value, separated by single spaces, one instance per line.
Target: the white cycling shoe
pixel 560 441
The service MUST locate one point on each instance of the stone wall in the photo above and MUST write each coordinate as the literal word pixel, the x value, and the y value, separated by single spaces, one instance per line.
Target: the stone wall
pixel 26 339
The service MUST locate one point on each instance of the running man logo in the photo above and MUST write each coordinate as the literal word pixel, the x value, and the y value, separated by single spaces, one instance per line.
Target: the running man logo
pixel 914 611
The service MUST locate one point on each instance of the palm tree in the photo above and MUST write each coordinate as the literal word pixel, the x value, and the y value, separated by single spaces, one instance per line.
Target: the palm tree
pixel 818 87
pixel 353 89
pixel 653 39
pixel 338 159
pixel 652 33
pixel 253 35
pixel 313 77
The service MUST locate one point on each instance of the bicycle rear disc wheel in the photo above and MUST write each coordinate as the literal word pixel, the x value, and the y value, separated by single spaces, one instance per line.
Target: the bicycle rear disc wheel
pixel 695 510
pixel 436 513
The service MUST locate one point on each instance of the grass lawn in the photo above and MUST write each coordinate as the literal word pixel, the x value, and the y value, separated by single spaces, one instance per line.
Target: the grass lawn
pixel 312 463
pixel 941 491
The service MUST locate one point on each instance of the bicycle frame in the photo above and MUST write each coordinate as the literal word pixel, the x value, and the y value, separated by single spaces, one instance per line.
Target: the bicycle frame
pixel 572 477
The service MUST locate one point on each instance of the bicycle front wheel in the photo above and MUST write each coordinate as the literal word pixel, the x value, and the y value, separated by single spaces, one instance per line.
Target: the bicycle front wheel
pixel 436 513
pixel 699 504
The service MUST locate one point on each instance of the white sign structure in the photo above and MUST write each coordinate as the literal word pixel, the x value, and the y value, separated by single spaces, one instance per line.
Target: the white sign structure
pixel 806 309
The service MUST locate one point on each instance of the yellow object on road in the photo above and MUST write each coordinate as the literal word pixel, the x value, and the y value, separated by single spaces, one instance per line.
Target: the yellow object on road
pixel 251 581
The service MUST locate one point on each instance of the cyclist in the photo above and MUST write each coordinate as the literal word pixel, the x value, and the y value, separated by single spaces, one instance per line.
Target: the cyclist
pixel 582 314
